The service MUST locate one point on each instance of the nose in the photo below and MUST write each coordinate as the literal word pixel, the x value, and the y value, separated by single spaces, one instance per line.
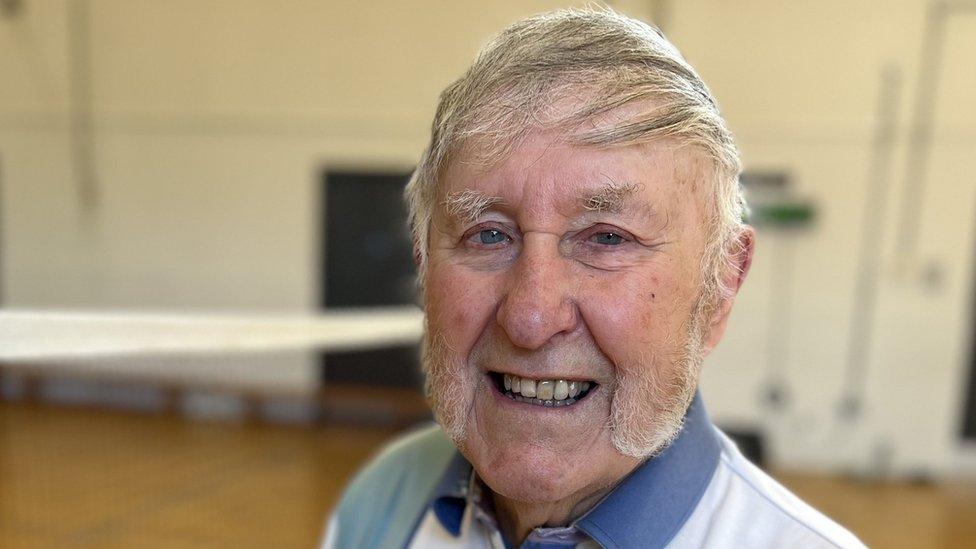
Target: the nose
pixel 539 302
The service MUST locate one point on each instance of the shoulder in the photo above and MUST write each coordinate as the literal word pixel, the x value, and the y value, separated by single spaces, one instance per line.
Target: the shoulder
pixel 743 506
pixel 386 498
pixel 409 455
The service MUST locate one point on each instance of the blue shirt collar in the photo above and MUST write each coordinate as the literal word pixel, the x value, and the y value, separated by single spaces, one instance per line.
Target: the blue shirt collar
pixel 450 496
pixel 649 507
pixel 646 510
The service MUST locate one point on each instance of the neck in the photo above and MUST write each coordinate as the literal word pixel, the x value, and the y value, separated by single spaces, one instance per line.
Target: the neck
pixel 517 518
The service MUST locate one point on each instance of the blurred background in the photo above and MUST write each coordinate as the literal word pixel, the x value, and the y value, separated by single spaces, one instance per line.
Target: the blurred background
pixel 207 309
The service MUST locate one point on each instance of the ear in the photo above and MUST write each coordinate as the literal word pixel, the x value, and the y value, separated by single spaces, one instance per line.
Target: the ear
pixel 733 278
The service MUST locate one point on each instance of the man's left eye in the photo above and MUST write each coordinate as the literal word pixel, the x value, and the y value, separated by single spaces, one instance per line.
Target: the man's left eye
pixel 607 239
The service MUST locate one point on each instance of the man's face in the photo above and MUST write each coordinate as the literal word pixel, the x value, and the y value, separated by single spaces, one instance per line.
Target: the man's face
pixel 563 266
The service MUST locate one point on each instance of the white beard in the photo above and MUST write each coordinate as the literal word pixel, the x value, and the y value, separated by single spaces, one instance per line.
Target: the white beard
pixel 647 411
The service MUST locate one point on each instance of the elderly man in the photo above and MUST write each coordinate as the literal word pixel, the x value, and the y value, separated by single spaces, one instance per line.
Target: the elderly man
pixel 578 232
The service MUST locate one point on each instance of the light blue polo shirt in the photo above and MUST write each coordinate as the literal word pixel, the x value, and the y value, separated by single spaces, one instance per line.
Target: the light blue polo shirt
pixel 699 492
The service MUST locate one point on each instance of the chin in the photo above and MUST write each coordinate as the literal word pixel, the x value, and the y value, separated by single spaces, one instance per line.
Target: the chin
pixel 521 474
pixel 527 474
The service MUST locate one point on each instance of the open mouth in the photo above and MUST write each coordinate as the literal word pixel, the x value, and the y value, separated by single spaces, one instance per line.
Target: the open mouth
pixel 541 392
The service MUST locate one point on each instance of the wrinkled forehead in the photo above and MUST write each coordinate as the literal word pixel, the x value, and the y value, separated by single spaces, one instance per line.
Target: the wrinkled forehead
pixel 546 168
pixel 482 157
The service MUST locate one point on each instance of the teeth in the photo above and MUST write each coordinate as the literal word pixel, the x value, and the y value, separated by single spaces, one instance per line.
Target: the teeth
pixel 549 403
pixel 544 392
pixel 561 390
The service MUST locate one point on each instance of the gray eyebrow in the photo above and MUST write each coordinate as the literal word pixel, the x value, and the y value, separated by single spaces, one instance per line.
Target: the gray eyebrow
pixel 468 205
pixel 609 199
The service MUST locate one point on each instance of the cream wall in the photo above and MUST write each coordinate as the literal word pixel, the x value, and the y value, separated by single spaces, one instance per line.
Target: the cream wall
pixel 799 82
pixel 213 121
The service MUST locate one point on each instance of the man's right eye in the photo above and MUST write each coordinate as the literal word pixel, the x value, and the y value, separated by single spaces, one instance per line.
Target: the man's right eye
pixel 491 236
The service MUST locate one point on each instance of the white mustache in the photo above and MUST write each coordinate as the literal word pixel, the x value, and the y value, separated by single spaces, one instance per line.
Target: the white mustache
pixel 576 360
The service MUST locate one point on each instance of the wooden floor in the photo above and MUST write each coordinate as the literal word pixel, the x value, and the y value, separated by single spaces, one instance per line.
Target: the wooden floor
pixel 73 477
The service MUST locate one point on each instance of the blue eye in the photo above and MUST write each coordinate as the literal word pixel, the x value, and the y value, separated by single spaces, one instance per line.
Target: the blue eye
pixel 607 239
pixel 492 236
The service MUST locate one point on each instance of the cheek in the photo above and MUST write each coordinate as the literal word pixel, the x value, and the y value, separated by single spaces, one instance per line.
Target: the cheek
pixel 633 315
pixel 459 305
